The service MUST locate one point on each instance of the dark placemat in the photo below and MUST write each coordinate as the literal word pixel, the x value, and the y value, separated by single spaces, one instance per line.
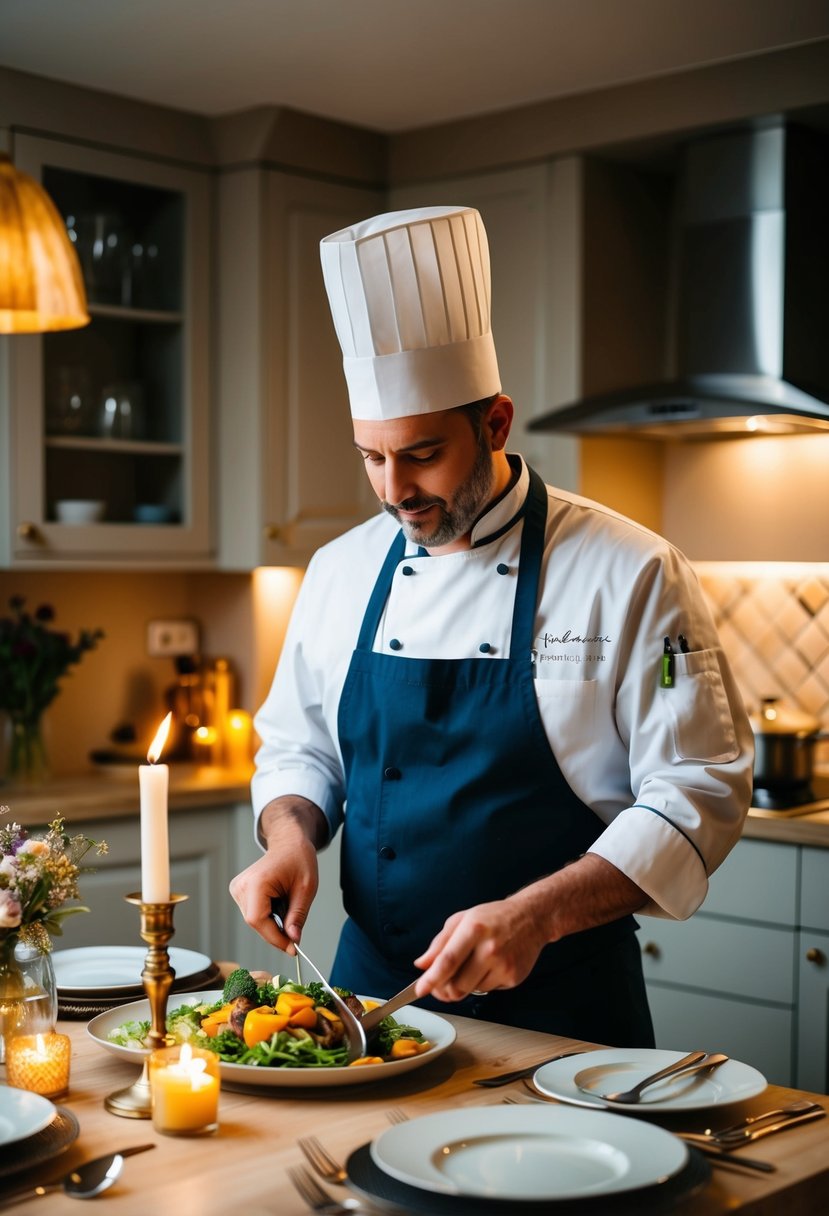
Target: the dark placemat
pixel 370 1181
pixel 45 1144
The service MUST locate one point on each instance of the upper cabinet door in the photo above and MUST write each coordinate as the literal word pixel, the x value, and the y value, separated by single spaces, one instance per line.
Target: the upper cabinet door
pixel 290 478
pixel 116 414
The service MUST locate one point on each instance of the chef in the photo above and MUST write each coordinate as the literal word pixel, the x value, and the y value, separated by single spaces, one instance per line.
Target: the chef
pixel 511 700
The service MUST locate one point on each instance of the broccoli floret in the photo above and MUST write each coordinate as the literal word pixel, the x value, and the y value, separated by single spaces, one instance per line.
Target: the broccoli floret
pixel 239 983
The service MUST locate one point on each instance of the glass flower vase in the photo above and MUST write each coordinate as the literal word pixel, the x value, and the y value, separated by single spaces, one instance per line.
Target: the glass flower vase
pixel 28 991
pixel 26 758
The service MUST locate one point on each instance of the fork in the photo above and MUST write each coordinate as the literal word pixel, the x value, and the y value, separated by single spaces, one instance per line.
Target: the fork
pixel 396 1115
pixel 318 1199
pixel 322 1161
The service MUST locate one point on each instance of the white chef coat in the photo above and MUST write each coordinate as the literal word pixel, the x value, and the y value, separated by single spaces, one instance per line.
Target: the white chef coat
pixel 668 771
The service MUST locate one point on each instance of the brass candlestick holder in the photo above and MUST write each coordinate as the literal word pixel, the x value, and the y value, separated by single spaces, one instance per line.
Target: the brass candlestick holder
pixel 134 1102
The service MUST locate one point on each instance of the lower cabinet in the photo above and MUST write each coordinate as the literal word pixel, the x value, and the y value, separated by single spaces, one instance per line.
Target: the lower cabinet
pixel 749 973
pixel 202 859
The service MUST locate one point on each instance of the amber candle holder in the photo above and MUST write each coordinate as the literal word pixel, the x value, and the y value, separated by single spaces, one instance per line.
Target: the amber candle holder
pixel 135 1102
pixel 39 1063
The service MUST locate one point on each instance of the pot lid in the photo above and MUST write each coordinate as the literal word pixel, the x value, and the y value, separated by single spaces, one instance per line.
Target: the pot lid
pixel 775 718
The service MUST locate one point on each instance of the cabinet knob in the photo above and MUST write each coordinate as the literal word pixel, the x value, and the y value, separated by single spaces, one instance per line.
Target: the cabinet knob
pixel 272 532
pixel 652 949
pixel 813 955
pixel 28 531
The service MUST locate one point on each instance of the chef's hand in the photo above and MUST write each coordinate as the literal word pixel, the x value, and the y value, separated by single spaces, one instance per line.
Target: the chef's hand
pixel 490 946
pixel 292 829
pixel 496 945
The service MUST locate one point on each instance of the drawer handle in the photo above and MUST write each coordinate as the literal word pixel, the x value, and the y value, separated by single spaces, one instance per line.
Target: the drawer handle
pixel 28 531
pixel 652 949
pixel 272 532
pixel 813 955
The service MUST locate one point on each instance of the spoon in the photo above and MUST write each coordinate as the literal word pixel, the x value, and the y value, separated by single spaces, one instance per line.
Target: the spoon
pixel 85 1181
pixel 355 1036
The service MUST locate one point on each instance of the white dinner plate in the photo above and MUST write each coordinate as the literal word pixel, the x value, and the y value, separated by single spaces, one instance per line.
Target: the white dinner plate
pixel 439 1032
pixel 94 970
pixel 23 1114
pixel 528 1153
pixel 621 1068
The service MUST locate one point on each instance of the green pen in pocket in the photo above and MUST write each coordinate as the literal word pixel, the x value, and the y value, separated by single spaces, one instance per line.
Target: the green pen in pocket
pixel 666 678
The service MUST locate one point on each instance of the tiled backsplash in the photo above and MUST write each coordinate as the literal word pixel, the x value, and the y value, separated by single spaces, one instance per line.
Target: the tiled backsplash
pixel 775 632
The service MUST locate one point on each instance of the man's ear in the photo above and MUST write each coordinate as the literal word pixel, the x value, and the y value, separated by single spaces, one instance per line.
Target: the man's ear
pixel 498 421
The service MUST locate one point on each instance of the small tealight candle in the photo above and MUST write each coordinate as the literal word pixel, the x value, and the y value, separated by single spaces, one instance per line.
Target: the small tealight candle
pixel 238 730
pixel 184 1084
pixel 39 1063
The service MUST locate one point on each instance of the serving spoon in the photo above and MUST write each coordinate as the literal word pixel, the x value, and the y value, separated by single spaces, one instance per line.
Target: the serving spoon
pixel 84 1181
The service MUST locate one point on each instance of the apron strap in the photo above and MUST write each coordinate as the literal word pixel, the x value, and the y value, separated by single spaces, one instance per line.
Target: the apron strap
pixel 529 570
pixel 377 601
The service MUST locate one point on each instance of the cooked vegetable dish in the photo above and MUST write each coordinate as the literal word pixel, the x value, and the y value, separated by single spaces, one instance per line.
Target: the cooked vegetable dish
pixel 276 1024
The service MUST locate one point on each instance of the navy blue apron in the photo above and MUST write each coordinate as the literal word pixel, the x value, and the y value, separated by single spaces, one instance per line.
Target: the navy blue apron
pixel 455 798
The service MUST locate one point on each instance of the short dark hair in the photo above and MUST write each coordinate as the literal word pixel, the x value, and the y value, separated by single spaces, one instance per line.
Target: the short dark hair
pixel 475 411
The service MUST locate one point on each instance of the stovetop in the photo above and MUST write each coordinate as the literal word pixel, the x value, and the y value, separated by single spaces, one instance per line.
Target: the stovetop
pixel 790 801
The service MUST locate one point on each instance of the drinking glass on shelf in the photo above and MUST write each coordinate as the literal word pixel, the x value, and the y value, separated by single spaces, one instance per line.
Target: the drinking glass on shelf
pixel 121 413
pixel 69 408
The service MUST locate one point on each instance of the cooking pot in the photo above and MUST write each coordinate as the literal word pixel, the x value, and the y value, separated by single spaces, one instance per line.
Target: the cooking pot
pixel 784 745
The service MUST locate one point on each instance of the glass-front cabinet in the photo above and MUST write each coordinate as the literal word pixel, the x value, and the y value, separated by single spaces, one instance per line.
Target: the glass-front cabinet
pixel 108 426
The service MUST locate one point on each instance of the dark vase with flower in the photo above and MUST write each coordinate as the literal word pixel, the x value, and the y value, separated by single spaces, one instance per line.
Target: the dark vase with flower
pixel 33 660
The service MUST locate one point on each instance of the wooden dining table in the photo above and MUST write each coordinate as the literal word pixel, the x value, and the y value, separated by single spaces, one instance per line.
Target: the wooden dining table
pixel 241 1170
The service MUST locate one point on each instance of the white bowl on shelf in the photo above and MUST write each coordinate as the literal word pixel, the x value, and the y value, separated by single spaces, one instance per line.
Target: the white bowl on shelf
pixel 79 510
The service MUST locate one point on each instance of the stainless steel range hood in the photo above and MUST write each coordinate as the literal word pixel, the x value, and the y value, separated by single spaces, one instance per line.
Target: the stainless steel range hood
pixel 748 346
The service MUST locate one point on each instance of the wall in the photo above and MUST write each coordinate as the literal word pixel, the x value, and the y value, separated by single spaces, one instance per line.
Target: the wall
pixel 242 617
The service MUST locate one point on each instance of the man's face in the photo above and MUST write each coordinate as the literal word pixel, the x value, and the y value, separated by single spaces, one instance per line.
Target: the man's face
pixel 431 473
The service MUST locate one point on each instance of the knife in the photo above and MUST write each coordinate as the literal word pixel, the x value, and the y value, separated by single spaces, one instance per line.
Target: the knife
pixel 505 1078
pixel 718 1154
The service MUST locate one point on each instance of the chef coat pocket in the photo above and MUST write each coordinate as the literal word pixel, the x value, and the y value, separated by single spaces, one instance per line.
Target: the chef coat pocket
pixel 697 707
pixel 567 707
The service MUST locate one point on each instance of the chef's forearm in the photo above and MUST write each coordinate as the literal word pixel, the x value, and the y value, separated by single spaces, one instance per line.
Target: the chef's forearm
pixel 589 892
pixel 292 809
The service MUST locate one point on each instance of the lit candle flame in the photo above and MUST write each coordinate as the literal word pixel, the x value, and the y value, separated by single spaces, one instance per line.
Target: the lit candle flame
pixel 157 745
pixel 41 1045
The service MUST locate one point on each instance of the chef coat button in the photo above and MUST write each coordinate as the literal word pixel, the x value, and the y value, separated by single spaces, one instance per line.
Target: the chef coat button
pixel 388 852
pixel 485 648
pixel 407 570
pixel 502 568
pixel 391 774
pixel 394 644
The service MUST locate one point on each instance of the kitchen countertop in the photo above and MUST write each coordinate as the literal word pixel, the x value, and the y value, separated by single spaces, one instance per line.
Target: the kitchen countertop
pixel 112 793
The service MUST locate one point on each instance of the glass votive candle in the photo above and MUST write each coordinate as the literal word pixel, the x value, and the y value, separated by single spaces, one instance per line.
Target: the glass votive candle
pixel 39 1063
pixel 184 1088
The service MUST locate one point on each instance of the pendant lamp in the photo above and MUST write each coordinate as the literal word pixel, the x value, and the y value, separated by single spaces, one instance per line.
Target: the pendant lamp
pixel 41 286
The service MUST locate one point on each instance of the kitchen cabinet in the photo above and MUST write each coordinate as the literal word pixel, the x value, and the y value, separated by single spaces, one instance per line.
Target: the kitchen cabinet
pixel 289 480
pixel 117 412
pixel 749 973
pixel 202 862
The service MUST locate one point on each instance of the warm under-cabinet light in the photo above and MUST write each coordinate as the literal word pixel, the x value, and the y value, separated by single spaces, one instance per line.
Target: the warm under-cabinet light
pixel 41 286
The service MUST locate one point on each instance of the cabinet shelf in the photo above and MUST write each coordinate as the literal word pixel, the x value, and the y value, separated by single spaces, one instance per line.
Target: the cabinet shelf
pixel 125 447
pixel 149 316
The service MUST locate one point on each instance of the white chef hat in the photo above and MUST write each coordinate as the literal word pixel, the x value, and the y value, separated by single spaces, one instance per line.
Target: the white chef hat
pixel 410 297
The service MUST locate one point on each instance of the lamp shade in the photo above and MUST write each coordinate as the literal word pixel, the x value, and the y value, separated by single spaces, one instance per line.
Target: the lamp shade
pixel 41 286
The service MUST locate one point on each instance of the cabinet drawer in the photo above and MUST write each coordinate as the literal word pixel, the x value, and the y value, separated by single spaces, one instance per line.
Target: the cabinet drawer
pixel 721 956
pixel 757 881
pixel 814 905
pixel 758 1035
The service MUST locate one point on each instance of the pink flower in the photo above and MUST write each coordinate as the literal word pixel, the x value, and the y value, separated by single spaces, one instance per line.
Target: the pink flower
pixel 10 911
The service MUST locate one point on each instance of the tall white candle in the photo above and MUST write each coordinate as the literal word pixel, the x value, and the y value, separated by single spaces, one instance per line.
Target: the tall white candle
pixel 153 783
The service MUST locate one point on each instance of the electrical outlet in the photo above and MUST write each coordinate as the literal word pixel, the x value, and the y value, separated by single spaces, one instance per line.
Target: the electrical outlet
pixel 166 639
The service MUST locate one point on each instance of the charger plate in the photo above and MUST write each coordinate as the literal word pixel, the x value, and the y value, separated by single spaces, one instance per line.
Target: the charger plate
pixel 43 1146
pixel 526 1153
pixel 370 1182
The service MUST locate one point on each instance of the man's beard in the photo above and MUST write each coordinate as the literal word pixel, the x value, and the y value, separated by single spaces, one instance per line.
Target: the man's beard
pixel 470 499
